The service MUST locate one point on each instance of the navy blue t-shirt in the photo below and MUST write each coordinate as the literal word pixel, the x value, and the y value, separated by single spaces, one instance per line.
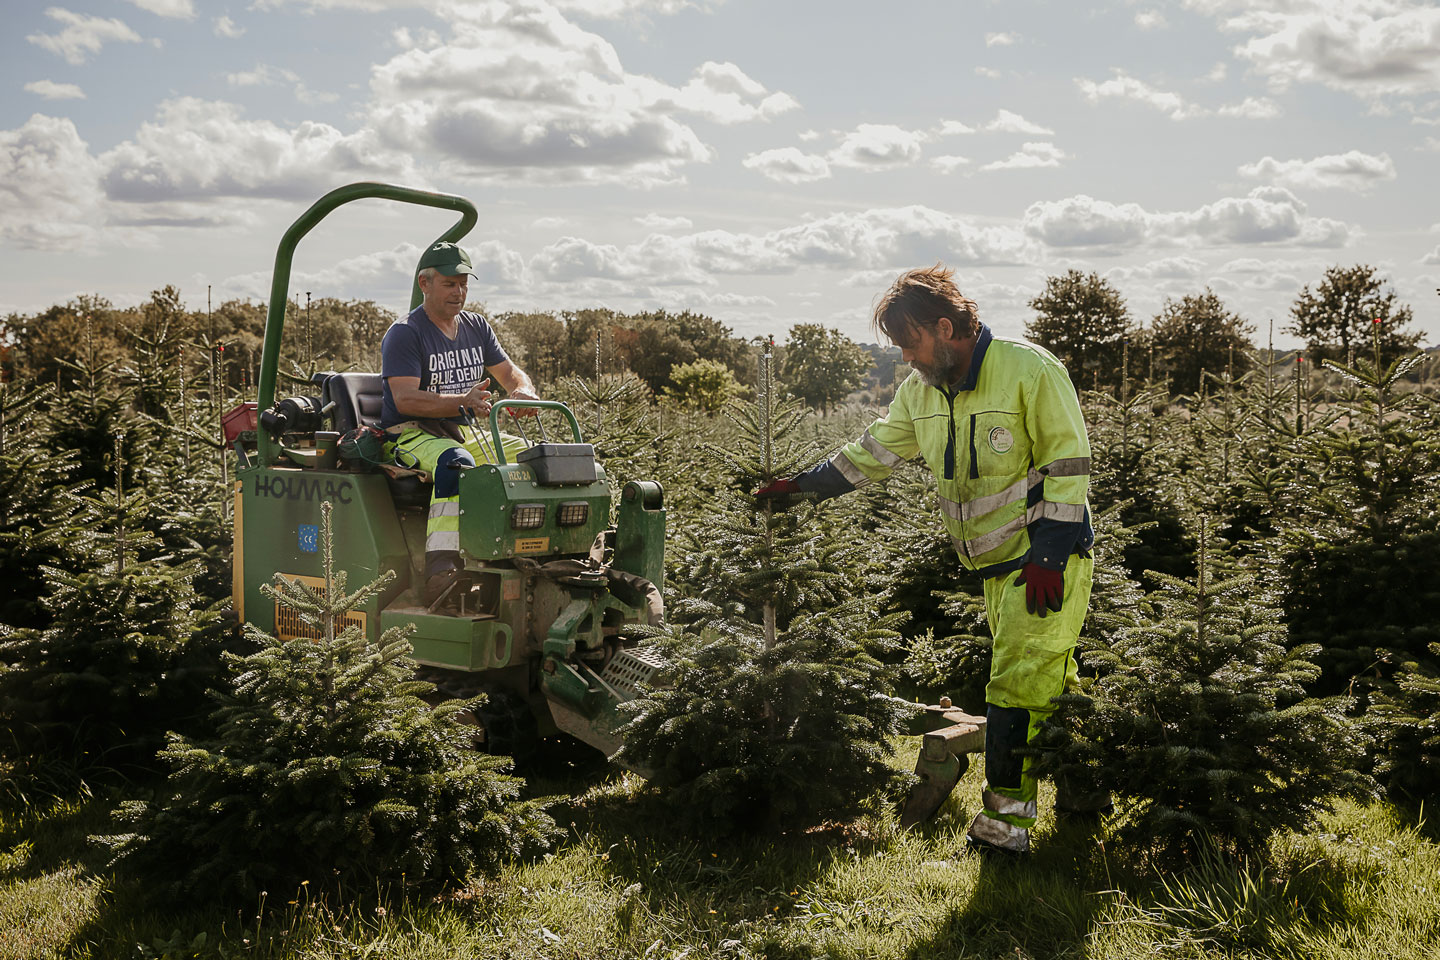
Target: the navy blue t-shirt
pixel 415 347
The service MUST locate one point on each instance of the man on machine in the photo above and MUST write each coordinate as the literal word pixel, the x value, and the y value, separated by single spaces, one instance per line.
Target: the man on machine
pixel 433 363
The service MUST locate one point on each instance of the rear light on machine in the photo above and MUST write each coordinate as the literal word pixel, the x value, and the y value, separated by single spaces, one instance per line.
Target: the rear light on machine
pixel 527 516
pixel 573 513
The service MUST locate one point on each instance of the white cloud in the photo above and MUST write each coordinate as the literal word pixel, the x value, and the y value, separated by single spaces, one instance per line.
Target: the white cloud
pixel 951 128
pixel 874 239
pixel 870 147
pixel 1030 156
pixel 1372 49
pixel 1125 87
pixel 1432 258
pixel 1000 39
pixel 876 146
pixel 263 75
pixel 805 136
pixel 225 27
pixel 516 91
pixel 50 197
pixel 1352 170
pixel 1170 268
pixel 179 9
pixel 1008 122
pixel 1246 265
pixel 1431 144
pixel 949 163
pixel 50 90
pixel 549 223
pixel 1217 73
pixel 498 269
pixel 1150 20
pixel 788 165
pixel 1251 108
pixel 655 221
pixel 988 72
pixel 197 150
pixel 81 35
pixel 723 93
pixel 1266 215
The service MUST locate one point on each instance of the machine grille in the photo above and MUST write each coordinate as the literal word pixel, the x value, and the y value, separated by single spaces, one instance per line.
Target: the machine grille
pixel 289 626
pixel 631 670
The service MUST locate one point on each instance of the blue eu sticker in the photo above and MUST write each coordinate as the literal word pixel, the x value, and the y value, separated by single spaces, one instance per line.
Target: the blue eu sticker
pixel 309 537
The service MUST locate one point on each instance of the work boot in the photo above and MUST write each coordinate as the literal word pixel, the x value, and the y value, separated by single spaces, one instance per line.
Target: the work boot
pixel 990 836
pixel 443 591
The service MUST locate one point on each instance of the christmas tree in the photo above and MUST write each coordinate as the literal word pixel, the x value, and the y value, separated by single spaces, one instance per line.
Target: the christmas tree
pixel 775 714
pixel 127 651
pixel 327 766
pixel 1199 725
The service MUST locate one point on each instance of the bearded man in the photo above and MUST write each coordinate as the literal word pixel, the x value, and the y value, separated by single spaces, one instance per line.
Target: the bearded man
pixel 998 423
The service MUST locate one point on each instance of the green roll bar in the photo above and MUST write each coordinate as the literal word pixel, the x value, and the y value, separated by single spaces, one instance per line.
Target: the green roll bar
pixel 533 404
pixel 280 284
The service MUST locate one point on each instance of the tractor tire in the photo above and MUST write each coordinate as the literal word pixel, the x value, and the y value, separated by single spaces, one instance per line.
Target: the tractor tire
pixel 506 725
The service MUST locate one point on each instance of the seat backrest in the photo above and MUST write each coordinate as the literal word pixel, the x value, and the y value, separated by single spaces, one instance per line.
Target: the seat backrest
pixel 357 397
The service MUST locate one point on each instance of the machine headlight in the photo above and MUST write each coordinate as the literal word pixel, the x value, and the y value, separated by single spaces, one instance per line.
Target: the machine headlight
pixel 527 516
pixel 573 513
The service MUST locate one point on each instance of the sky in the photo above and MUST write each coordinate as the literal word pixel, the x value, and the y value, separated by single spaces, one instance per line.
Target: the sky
pixel 765 162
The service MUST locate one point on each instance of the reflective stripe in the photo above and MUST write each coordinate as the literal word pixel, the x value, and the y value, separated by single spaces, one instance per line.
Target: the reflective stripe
pixel 1000 804
pixel 442 540
pixel 983 505
pixel 1068 467
pixel 998 833
pixel 848 470
pixel 989 541
pixel 877 450
pixel 1068 512
pixel 444 508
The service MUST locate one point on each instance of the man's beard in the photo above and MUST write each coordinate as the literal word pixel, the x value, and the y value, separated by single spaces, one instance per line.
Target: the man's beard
pixel 946 368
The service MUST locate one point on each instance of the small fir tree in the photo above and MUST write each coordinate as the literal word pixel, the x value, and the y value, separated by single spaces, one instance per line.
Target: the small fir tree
pixel 1199 725
pixel 1406 721
pixel 776 712
pixel 327 766
pixel 1361 552
pixel 35 528
pixel 128 651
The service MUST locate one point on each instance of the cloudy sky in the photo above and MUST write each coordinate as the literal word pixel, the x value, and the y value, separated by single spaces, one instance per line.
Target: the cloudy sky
pixel 766 162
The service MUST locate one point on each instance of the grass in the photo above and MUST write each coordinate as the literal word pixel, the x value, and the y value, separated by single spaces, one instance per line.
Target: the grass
pixel 1365 884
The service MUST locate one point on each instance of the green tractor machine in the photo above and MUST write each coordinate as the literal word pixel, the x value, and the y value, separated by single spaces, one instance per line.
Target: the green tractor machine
pixel 540 631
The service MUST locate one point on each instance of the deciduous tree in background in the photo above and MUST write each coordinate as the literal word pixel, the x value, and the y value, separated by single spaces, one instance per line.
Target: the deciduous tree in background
pixel 1198 333
pixel 703 385
pixel 1335 318
pixel 1083 320
pixel 821 365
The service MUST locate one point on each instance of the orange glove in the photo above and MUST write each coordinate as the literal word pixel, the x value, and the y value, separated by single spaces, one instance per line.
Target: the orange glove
pixel 1044 588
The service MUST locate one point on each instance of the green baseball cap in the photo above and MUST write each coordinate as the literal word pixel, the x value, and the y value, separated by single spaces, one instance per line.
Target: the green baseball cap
pixel 447 258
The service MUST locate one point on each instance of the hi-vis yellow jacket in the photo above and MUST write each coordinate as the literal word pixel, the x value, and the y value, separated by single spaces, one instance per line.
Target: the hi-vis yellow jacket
pixel 1008 449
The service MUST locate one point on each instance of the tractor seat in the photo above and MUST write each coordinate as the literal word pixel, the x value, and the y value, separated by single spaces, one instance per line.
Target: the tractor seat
pixel 358 398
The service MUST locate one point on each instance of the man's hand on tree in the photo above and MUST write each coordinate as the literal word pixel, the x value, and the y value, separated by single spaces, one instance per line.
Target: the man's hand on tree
pixel 1044 588
pixel 777 490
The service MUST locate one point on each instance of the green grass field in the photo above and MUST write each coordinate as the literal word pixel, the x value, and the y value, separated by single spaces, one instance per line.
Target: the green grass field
pixel 621 884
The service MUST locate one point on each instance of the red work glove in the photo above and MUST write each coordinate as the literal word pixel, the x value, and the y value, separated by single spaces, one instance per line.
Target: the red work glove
pixel 1044 588
pixel 777 488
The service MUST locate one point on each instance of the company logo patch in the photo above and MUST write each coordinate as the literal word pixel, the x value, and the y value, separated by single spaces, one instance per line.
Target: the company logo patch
pixel 309 537
pixel 1001 440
